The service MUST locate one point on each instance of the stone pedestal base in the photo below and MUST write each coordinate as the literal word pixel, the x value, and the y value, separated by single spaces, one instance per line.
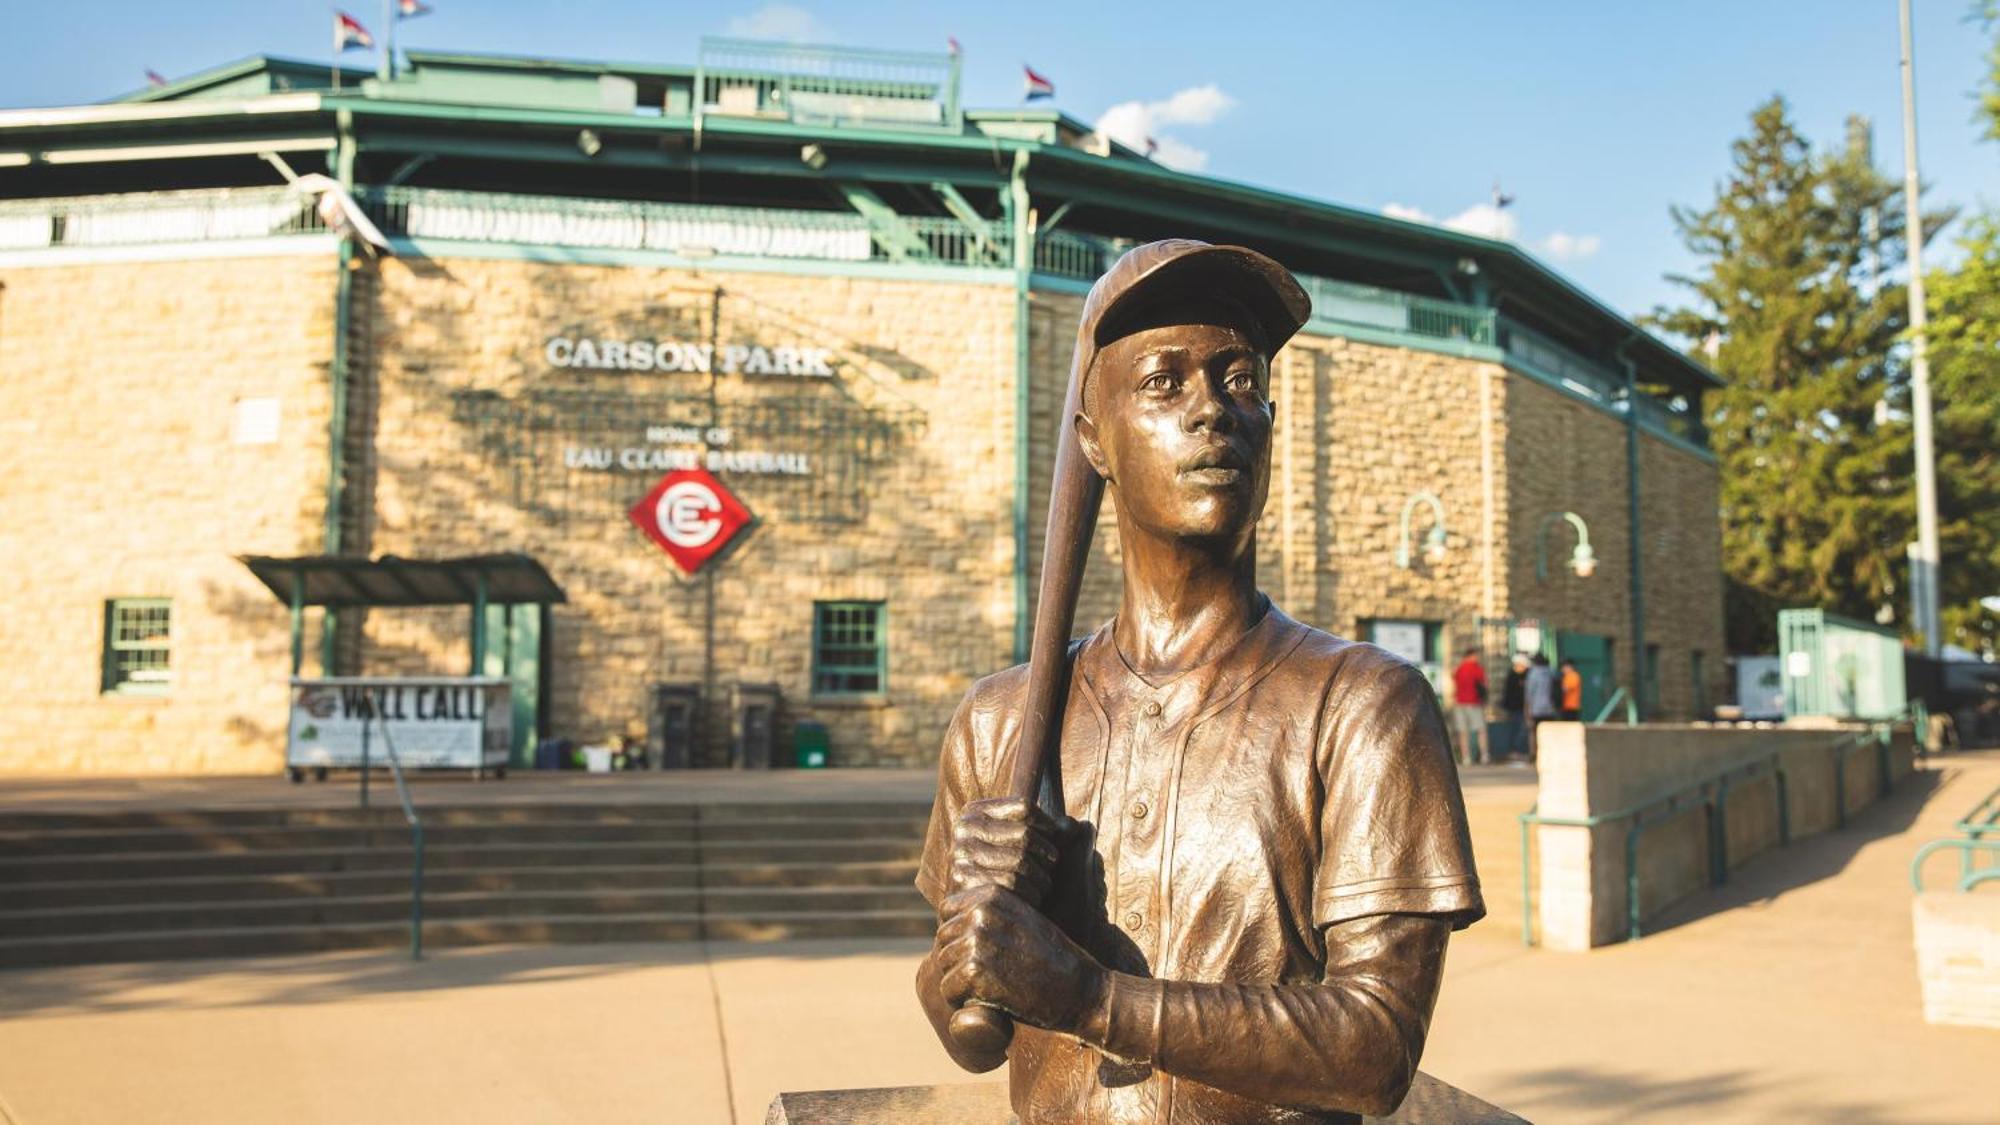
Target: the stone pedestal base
pixel 1431 1102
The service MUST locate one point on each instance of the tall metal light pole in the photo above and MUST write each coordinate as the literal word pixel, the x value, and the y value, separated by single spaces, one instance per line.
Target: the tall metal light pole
pixel 1924 562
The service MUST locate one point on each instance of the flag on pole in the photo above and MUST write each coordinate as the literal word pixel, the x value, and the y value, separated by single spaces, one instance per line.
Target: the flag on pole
pixel 411 9
pixel 1152 147
pixel 349 34
pixel 1036 85
pixel 155 78
pixel 1501 200
pixel 951 44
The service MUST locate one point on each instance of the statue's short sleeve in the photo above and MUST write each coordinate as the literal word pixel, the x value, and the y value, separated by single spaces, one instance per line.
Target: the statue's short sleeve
pixel 957 784
pixel 1393 834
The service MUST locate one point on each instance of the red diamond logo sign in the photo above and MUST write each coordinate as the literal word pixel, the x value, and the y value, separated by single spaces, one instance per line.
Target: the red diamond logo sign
pixel 691 516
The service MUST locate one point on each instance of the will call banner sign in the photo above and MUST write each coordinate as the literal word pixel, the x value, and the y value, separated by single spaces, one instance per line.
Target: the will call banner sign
pixel 433 723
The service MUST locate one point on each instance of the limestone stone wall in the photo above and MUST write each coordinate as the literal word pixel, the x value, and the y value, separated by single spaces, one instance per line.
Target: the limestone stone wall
pixel 1566 455
pixel 119 380
pixel 908 500
pixel 118 389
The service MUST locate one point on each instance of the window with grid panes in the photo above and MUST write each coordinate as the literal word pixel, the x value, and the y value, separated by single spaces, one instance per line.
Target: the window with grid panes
pixel 138 655
pixel 850 648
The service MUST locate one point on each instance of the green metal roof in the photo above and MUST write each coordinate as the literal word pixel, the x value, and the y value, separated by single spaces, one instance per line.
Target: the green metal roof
pixel 251 77
pixel 1121 181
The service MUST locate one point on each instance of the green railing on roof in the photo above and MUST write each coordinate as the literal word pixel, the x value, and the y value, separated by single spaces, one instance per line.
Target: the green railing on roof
pixel 696 232
pixel 822 85
pixel 1343 302
pixel 156 218
pixel 1076 256
pixel 1538 355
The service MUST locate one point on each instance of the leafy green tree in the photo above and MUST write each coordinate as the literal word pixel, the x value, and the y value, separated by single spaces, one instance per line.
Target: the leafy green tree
pixel 1790 306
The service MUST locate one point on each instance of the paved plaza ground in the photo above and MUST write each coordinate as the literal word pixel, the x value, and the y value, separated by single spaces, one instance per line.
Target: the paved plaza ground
pixel 1789 995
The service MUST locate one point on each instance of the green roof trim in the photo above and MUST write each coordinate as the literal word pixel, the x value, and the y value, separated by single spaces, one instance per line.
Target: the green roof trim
pixel 252 77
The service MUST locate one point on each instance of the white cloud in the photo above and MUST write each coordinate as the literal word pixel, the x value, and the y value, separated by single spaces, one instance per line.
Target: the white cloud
pixel 1131 123
pixel 1487 220
pixel 1564 247
pixel 786 22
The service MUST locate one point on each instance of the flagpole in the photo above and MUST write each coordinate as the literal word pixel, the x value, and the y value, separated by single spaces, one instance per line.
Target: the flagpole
pixel 385 65
pixel 1924 563
pixel 336 48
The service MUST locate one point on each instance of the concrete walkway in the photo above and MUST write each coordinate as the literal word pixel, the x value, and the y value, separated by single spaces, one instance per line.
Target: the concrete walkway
pixel 1790 995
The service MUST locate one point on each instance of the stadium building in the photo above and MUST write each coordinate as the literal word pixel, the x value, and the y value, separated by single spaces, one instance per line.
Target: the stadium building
pixel 267 326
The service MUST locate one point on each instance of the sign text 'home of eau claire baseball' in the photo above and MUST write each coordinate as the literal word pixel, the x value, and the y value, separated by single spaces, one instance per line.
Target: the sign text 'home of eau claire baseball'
pixel 679 356
pixel 678 449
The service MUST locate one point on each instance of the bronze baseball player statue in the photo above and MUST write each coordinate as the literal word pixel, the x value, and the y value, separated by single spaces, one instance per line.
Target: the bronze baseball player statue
pixel 1201 866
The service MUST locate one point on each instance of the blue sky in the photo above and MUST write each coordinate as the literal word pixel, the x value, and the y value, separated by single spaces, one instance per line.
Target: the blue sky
pixel 1596 116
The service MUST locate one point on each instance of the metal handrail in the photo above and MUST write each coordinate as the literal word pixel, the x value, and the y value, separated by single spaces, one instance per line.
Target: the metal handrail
pixel 410 816
pixel 1984 817
pixel 1969 876
pixel 1665 806
pixel 1975 826
pixel 1617 697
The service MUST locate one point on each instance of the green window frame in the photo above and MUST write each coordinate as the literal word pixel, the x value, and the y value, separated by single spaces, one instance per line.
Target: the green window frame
pixel 850 650
pixel 138 646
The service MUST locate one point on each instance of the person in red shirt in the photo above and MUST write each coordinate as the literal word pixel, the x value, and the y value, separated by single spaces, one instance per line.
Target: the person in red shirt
pixel 1468 708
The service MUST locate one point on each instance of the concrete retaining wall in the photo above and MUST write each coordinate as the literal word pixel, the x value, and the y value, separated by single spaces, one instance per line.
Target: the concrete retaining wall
pixel 1589 771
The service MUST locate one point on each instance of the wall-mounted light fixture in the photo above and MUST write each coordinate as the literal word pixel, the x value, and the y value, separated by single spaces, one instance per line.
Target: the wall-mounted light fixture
pixel 1581 560
pixel 1434 542
pixel 588 142
pixel 814 157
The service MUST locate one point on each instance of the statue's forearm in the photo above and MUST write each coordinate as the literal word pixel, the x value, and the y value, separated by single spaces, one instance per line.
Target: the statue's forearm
pixel 1350 1042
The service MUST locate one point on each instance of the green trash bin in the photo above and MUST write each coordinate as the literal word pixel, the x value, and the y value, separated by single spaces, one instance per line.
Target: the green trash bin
pixel 809 746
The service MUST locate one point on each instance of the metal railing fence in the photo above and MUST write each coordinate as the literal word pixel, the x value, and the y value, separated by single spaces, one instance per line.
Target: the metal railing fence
pixel 410 816
pixel 1978 831
pixel 688 230
pixel 153 218
pixel 814 84
pixel 1711 793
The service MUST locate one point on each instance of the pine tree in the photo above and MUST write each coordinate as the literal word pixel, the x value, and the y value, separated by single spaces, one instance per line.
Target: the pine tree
pixel 1791 310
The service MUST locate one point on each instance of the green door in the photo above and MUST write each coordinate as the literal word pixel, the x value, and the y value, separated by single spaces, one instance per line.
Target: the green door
pixel 1592 655
pixel 514 652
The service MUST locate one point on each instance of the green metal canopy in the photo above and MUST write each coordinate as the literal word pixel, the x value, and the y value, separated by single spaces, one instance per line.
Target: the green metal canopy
pixel 343 581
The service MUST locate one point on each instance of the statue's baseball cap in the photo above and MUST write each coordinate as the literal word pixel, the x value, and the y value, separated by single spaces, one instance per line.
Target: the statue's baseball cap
pixel 1186 269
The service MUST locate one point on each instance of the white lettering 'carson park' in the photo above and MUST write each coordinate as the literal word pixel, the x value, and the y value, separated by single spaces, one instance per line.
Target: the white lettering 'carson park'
pixel 671 356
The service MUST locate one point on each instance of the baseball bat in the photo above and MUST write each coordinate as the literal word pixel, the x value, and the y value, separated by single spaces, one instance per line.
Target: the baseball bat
pixel 1074 499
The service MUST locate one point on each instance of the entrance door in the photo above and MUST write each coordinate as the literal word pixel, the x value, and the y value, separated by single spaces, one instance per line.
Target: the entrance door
pixel 514 652
pixel 1592 655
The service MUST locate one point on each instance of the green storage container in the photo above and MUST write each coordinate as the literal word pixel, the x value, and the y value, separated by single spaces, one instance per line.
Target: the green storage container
pixel 809 743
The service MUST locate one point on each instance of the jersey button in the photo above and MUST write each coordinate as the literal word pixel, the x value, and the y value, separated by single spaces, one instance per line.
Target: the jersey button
pixel 1134 920
pixel 1153 709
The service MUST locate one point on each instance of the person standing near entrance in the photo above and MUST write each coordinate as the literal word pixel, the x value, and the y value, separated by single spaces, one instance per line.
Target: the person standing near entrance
pixel 1542 700
pixel 1513 709
pixel 1468 710
pixel 1572 691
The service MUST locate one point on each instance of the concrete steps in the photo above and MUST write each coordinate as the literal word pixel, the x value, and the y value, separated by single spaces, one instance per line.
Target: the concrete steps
pixel 122 886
